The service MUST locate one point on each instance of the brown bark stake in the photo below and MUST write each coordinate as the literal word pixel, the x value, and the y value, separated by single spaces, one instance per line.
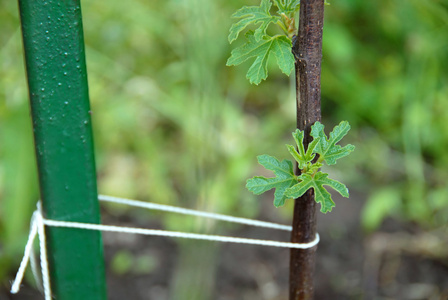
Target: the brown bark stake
pixel 308 52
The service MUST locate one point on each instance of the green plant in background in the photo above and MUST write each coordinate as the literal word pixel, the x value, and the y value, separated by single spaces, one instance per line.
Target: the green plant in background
pixel 17 162
pixel 395 95
pixel 287 185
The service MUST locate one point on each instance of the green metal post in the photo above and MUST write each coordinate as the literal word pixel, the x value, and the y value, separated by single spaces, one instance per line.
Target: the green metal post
pixel 57 81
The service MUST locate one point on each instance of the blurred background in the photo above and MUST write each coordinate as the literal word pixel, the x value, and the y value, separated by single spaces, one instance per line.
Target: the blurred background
pixel 174 125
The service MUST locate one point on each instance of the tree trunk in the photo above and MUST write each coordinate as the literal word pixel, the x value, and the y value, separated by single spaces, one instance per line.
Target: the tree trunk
pixel 307 50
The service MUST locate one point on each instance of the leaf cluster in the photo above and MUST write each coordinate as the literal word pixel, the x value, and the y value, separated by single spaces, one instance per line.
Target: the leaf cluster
pixel 321 150
pixel 259 44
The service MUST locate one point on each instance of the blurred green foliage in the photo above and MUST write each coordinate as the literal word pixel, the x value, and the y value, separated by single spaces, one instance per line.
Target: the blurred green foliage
pixel 174 125
pixel 125 262
pixel 385 69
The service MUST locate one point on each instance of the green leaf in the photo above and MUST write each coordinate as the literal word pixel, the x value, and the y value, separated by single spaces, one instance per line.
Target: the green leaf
pixel 321 195
pixel 278 45
pixel 297 156
pixel 313 168
pixel 327 148
pixel 302 157
pixel 287 6
pixel 253 15
pixel 284 179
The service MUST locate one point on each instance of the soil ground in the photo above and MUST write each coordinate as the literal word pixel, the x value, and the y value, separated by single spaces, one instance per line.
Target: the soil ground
pixel 350 264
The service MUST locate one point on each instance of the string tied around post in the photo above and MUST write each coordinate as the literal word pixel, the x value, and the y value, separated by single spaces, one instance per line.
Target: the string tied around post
pixel 38 223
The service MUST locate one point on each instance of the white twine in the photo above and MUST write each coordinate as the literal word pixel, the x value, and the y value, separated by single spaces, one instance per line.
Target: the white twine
pixel 43 252
pixel 196 236
pixel 35 271
pixel 192 212
pixel 38 224
pixel 37 228
pixel 26 256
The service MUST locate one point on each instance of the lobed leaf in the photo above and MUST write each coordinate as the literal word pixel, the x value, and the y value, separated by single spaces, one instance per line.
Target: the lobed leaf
pixel 287 6
pixel 279 46
pixel 327 148
pixel 297 156
pixel 288 185
pixel 302 157
pixel 321 195
pixel 253 15
pixel 284 179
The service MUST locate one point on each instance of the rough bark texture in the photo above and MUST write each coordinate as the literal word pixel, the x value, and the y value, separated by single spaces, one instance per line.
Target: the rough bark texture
pixel 308 52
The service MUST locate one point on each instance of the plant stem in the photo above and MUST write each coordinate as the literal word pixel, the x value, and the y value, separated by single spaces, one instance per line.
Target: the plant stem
pixel 308 52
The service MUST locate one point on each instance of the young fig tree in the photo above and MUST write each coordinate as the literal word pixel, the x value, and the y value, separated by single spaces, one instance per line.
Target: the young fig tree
pixel 273 33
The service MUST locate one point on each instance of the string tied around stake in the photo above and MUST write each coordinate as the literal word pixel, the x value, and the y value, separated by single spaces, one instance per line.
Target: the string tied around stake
pixel 38 223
